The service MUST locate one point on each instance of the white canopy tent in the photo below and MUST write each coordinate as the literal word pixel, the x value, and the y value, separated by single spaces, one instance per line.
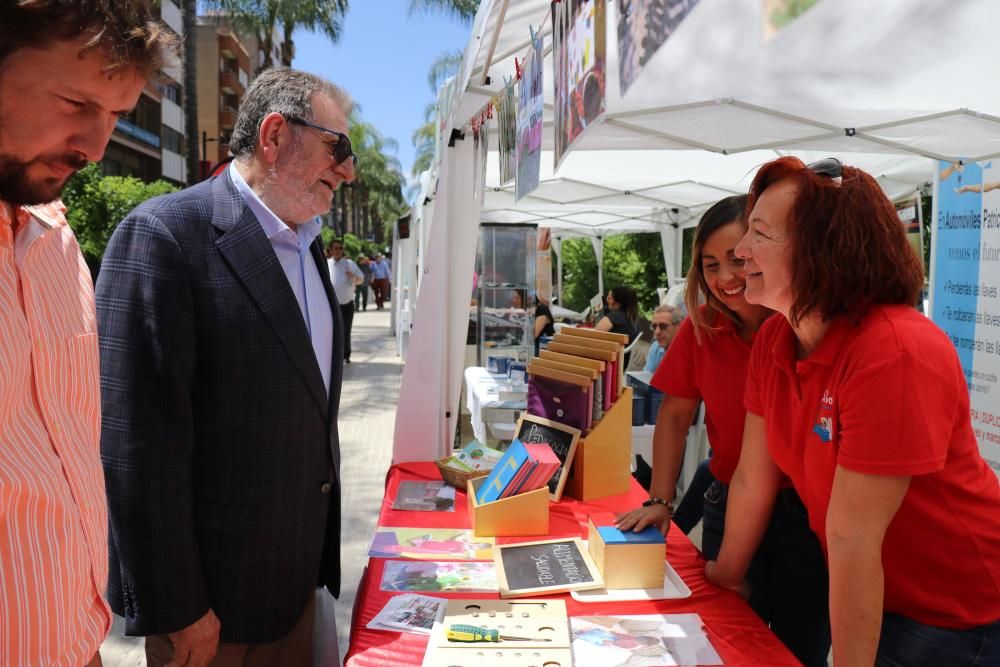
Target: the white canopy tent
pixel 897 84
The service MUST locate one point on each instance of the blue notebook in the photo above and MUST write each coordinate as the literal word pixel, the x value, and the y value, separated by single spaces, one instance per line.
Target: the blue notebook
pixel 503 472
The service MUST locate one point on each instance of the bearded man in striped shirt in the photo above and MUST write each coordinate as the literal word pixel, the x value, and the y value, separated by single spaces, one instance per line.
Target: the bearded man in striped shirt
pixel 69 69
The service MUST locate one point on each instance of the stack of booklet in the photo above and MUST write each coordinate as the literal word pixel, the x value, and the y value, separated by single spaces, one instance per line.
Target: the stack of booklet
pixel 523 468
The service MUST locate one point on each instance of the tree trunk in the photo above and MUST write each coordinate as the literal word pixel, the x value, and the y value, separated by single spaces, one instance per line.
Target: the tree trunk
pixel 190 20
pixel 287 46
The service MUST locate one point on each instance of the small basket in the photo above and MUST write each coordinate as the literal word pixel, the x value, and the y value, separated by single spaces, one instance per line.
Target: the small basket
pixel 458 478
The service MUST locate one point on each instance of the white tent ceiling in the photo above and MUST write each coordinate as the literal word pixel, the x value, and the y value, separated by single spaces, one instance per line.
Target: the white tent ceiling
pixel 887 85
pixel 894 82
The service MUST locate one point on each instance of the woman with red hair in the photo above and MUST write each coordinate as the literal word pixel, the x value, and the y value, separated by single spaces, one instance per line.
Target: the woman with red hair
pixel 862 402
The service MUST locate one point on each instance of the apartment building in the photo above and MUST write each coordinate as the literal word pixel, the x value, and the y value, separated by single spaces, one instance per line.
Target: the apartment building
pixel 150 144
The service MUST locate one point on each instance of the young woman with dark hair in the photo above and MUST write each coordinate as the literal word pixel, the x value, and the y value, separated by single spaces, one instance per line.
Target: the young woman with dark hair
pixel 862 402
pixel 622 313
pixel 707 361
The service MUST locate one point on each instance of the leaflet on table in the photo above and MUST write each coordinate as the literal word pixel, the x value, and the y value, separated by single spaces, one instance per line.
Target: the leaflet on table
pixel 468 577
pixel 425 497
pixel 474 456
pixel 409 613
pixel 430 544
pixel 617 641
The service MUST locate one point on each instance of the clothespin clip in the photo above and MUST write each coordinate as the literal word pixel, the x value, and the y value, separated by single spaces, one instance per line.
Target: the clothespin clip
pixel 517 68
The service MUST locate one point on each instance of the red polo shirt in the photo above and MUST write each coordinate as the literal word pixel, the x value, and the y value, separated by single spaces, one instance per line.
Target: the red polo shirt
pixel 888 397
pixel 714 372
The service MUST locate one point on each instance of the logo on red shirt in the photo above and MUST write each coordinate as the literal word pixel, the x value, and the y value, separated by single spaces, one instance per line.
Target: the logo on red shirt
pixel 824 422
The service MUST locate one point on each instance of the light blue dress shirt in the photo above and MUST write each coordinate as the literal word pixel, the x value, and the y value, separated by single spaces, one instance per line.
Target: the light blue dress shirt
pixel 292 249
pixel 654 357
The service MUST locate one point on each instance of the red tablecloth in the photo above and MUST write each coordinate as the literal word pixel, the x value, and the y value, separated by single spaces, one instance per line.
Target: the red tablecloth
pixel 734 630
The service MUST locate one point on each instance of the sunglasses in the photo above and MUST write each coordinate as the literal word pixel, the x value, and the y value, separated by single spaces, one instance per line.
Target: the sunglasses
pixel 341 150
pixel 660 325
pixel 829 167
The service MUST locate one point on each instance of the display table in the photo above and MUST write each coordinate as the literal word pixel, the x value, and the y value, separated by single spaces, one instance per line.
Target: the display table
pixel 737 634
pixel 482 397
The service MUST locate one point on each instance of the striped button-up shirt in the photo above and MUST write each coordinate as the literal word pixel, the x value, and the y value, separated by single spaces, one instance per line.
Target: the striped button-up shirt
pixel 53 517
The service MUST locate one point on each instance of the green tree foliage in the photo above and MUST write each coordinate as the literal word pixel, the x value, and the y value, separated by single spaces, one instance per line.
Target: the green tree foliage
pixel 463 10
pixel 263 17
pixel 95 205
pixel 791 10
pixel 353 246
pixel 635 260
pixel 379 180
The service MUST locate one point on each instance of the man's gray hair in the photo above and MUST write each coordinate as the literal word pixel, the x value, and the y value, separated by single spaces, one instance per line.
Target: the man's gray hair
pixel 285 91
pixel 676 314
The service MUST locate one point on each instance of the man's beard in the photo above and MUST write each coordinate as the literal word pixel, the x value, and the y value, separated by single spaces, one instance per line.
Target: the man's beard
pixel 16 188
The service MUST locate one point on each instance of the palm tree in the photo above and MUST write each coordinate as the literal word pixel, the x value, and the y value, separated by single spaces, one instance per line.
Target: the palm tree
pixel 376 196
pixel 262 17
pixel 464 10
pixel 444 66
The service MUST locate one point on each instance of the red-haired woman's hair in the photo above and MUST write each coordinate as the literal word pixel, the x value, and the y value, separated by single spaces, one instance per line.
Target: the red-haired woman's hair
pixel 849 250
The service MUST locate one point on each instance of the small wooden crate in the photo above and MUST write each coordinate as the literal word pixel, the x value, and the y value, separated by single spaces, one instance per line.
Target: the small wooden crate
pixel 523 514
pixel 603 462
pixel 627 559
pixel 458 478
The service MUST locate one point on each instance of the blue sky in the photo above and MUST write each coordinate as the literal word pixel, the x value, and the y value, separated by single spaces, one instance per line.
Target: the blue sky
pixel 382 60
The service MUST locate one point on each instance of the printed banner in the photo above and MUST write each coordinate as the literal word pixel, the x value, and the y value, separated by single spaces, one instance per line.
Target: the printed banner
pixel 643 27
pixel 529 121
pixel 966 288
pixel 579 40
pixel 912 217
pixel 506 107
pixel 779 13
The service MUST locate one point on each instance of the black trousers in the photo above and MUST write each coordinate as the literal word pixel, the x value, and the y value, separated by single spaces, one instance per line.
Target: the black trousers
pixel 347 314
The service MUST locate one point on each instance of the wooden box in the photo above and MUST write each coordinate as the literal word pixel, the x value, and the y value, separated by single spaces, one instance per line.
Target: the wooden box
pixel 523 514
pixel 627 559
pixel 603 462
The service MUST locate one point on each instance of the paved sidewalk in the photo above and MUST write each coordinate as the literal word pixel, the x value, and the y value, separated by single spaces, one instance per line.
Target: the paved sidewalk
pixel 367 416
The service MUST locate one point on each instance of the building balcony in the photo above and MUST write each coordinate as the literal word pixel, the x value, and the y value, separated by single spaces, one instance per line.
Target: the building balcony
pixel 229 82
pixel 172 115
pixel 170 14
pixel 227 119
pixel 137 133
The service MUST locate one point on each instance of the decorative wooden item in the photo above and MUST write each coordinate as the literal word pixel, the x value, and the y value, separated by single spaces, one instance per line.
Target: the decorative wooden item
pixel 523 514
pixel 627 559
pixel 532 619
pixel 602 465
pixel 561 438
pixel 545 567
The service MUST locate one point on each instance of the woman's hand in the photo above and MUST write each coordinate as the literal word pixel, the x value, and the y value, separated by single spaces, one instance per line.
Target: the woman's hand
pixel 718 576
pixel 642 517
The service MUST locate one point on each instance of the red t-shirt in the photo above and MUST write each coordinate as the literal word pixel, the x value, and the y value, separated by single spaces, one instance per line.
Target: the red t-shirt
pixel 714 372
pixel 888 397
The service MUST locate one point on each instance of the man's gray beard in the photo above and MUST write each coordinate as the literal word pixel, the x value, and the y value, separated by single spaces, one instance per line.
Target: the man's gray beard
pixel 18 190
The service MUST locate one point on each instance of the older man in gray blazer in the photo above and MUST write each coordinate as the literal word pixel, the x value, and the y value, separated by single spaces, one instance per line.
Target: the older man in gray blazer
pixel 220 372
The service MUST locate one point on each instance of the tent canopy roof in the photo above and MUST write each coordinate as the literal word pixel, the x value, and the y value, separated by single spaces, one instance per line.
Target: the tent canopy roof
pixel 716 101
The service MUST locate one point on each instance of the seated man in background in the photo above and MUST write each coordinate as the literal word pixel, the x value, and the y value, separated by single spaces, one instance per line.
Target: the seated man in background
pixel 666 321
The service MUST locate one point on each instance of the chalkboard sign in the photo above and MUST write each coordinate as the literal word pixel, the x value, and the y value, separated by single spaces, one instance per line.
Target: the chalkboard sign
pixel 548 566
pixel 561 438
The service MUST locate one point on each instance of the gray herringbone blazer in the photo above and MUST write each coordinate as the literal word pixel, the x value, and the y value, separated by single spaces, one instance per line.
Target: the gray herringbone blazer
pixel 219 441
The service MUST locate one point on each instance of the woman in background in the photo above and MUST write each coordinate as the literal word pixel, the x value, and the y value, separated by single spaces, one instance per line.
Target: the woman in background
pixel 621 315
pixel 544 323
pixel 707 362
